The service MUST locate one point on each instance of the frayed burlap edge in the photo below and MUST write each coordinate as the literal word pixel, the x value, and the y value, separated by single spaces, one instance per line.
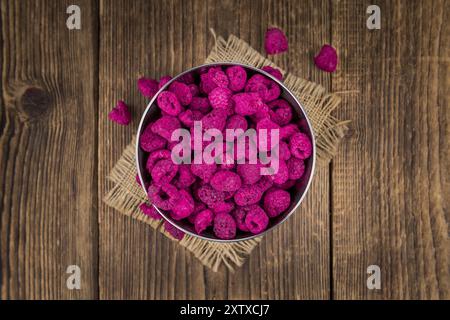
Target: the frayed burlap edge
pixel 317 103
pixel 126 195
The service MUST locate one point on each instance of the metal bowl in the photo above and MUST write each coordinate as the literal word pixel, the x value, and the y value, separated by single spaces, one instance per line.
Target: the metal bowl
pixel 299 190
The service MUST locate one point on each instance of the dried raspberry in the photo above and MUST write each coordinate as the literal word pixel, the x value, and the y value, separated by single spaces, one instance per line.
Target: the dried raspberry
pixel 185 177
pixel 199 206
pixel 247 195
pixel 150 211
pixel 281 112
pixel 268 125
pixel 220 98
pixel 182 92
pixel 276 201
pixel 164 171
pixel 300 145
pixel 275 41
pixel 200 104
pixel 188 117
pixel 203 220
pixel 236 121
pixel 214 78
pixel 203 170
pixel 165 125
pixel 155 156
pixel 163 81
pixel 194 90
pixel 282 175
pixel 183 206
pixel 168 102
pixel 223 207
pixel 164 196
pixel 273 72
pixel 296 168
pixel 239 216
pixel 256 220
pixel 237 78
pixel 283 150
pixel 225 180
pixel 149 141
pixel 148 87
pixel 258 84
pixel 210 196
pixel 327 59
pixel 247 103
pixel 287 131
pixel 216 119
pixel 173 231
pixel 273 90
pixel 249 173
pixel 224 226
pixel 120 114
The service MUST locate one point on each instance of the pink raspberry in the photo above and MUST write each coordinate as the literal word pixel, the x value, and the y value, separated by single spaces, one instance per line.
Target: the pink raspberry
pixel 262 113
pixel 284 152
pixel 223 207
pixel 236 121
pixel 150 211
pixel 287 185
pixel 300 145
pixel 183 206
pixel 247 195
pixel 168 102
pixel 164 196
pixel 288 130
pixel 256 220
pixel 210 196
pixel 239 216
pixel 165 125
pixel 182 92
pixel 185 177
pixel 273 90
pixel 148 87
pixel 214 78
pixel 203 220
pixel 327 59
pixel 187 78
pixel 296 168
pixel 264 184
pixel 163 81
pixel 237 77
pixel 275 41
pixel 282 175
pixel 188 117
pixel 281 112
pixel 194 90
pixel 268 125
pixel 150 141
pixel 216 119
pixel 173 231
pixel 155 156
pixel 273 72
pixel 250 173
pixel 225 180
pixel 200 104
pixel 164 171
pixel 120 114
pixel 224 226
pixel 199 206
pixel 247 103
pixel 220 98
pixel 276 201
pixel 203 170
pixel 258 84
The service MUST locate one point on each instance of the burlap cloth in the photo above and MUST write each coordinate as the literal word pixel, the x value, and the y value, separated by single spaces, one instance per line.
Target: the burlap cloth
pixel 126 195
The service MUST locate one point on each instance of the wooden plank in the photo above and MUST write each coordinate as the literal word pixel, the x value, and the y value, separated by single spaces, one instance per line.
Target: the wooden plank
pixel 48 150
pixel 390 178
pixel 135 262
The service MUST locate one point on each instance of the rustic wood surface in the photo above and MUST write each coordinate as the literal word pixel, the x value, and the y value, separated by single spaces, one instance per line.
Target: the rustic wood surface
pixel 383 199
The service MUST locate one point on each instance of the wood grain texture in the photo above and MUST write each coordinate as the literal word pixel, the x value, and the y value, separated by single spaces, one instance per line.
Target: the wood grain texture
pixel 390 179
pixel 47 150
pixel 383 200
pixel 137 262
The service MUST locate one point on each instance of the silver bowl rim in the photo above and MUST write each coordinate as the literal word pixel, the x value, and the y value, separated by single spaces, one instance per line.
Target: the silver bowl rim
pixel 149 105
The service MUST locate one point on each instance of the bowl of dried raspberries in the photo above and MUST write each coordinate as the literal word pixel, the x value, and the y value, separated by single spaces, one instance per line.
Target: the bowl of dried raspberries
pixel 225 151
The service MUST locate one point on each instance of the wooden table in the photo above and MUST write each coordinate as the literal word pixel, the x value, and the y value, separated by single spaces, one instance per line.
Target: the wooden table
pixel 383 200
